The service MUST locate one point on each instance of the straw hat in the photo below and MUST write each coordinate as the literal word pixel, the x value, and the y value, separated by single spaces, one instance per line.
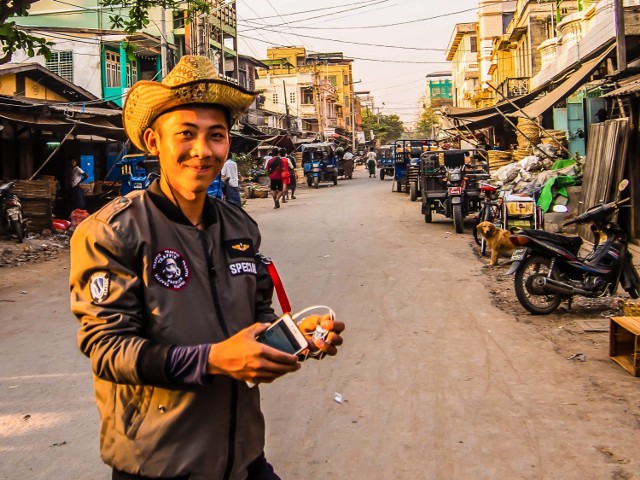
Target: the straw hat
pixel 192 81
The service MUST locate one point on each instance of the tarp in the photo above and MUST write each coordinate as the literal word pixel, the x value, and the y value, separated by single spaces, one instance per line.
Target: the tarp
pixel 566 88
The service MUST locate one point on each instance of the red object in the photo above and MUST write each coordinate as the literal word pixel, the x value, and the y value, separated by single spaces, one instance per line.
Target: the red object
pixel 277 283
pixel 61 225
pixel 78 216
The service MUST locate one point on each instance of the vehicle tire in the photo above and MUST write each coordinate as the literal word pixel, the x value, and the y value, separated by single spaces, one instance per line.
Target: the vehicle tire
pixel 633 293
pixel 15 224
pixel 428 215
pixel 309 181
pixel 335 179
pixel 535 303
pixel 381 174
pixel 413 191
pixel 399 186
pixel 457 218
pixel 316 182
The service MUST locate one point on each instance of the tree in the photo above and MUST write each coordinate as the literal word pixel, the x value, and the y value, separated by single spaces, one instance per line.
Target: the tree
pixel 426 122
pixel 386 128
pixel 137 17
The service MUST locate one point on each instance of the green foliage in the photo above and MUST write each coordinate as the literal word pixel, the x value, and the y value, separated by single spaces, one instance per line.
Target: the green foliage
pixel 386 128
pixel 12 39
pixel 428 119
pixel 135 20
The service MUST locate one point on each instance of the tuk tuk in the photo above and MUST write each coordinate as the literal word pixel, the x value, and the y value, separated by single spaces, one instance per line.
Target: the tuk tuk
pixel 413 169
pixel 406 152
pixel 319 163
pixel 137 172
pixel 451 182
pixel 385 161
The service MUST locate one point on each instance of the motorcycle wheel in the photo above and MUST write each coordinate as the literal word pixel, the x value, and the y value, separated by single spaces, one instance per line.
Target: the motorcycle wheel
pixel 457 218
pixel 381 174
pixel 399 186
pixel 309 181
pixel 15 224
pixel 316 182
pixel 413 192
pixel 428 214
pixel 335 180
pixel 536 304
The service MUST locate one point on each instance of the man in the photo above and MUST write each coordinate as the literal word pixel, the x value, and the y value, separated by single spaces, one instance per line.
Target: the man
pixel 274 170
pixel 167 320
pixel 230 177
pixel 76 195
pixel 371 163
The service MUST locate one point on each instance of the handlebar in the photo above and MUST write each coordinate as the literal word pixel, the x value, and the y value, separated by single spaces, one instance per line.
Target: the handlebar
pixel 592 212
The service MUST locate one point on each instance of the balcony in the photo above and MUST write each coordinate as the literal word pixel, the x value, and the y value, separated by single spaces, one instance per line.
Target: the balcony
pixel 514 87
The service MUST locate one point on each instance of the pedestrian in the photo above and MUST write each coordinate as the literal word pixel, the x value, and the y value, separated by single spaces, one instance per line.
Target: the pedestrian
pixel 76 194
pixel 371 163
pixel 230 180
pixel 287 173
pixel 274 169
pixel 171 292
pixel 293 177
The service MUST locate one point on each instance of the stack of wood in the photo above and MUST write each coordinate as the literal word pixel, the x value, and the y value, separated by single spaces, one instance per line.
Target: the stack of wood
pixel 36 199
pixel 498 159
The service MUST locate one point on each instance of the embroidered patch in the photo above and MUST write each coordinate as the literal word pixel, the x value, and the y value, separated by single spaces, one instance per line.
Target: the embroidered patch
pixel 242 268
pixel 170 269
pixel 99 286
pixel 240 248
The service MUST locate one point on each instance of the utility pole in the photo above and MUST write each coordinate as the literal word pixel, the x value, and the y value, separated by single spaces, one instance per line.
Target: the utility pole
pixel 286 107
pixel 318 96
pixel 163 45
pixel 621 42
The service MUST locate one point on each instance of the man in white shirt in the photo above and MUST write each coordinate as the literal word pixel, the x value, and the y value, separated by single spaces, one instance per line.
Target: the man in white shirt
pixel 230 182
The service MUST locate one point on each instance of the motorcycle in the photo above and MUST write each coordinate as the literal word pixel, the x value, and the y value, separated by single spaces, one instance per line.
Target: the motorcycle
pixel 12 211
pixel 548 269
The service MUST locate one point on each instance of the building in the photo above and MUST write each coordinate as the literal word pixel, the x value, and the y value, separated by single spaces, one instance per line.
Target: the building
pixel 439 90
pixel 462 52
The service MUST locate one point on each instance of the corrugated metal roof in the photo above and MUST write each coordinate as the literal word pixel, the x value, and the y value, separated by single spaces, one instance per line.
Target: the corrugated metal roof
pixel 629 88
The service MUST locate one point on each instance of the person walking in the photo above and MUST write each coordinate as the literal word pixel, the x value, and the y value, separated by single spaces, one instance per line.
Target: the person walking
pixel 230 180
pixel 293 177
pixel 274 169
pixel 76 194
pixel 371 163
pixel 171 292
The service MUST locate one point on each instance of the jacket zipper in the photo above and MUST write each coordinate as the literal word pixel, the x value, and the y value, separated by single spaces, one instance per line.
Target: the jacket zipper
pixel 234 385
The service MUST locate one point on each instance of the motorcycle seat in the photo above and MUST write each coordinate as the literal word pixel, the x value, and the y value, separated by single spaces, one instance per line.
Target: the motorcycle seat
pixel 570 242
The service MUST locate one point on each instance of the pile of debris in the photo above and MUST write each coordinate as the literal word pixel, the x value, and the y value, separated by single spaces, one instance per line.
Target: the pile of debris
pixel 36 248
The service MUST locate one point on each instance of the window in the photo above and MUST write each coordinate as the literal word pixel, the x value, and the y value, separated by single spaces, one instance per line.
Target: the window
pixel 112 63
pixel 132 73
pixel 292 97
pixel 473 44
pixel 306 95
pixel 275 99
pixel 346 80
pixel 333 80
pixel 61 63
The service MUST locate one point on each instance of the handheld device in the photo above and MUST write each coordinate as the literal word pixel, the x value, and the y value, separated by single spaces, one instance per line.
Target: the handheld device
pixel 284 335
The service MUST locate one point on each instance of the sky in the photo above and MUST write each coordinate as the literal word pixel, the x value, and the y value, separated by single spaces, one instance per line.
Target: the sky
pixel 396 83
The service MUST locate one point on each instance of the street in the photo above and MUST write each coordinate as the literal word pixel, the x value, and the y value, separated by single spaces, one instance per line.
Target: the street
pixel 435 382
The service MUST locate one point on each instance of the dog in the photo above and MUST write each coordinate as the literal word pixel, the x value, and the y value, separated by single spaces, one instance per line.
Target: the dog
pixel 497 240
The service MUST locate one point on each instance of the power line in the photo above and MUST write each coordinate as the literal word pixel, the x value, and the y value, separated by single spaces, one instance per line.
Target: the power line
pixel 308 11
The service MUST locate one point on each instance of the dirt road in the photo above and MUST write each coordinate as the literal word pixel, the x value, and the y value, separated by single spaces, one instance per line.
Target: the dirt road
pixel 436 382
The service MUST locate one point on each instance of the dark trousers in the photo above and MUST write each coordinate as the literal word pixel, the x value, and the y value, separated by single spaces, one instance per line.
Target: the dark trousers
pixel 259 469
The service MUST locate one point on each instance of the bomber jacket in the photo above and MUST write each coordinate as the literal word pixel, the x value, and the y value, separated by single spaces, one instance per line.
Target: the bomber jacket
pixel 144 280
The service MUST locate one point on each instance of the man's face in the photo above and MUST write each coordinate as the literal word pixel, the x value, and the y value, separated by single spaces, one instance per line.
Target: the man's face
pixel 192 145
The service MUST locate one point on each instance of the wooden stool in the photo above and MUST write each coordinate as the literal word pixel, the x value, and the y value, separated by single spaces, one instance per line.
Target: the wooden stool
pixel 624 343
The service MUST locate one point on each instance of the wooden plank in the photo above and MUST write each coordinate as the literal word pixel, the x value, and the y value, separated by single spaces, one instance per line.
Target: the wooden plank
pixel 632 324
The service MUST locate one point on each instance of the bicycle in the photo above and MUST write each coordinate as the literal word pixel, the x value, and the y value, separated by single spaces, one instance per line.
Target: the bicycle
pixel 490 211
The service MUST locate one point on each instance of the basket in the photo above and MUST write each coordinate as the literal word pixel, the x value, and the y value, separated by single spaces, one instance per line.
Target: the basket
pixel 260 193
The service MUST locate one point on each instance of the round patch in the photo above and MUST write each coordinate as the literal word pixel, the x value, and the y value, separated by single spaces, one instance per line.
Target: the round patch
pixel 170 269
pixel 99 286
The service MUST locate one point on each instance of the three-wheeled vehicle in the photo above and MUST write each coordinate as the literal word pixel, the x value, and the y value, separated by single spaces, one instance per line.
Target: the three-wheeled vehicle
pixel 451 183
pixel 413 169
pixel 137 172
pixel 385 160
pixel 319 163
pixel 407 152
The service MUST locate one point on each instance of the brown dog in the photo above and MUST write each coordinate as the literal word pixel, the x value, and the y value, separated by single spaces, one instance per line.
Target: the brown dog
pixel 497 240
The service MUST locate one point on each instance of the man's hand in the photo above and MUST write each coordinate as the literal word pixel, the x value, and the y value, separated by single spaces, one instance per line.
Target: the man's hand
pixel 243 358
pixel 308 325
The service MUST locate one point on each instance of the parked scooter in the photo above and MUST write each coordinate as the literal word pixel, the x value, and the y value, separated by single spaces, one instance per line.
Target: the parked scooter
pixel 548 268
pixel 12 211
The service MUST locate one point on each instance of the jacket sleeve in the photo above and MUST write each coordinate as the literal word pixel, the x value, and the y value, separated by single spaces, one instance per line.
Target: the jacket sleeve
pixel 264 293
pixel 107 299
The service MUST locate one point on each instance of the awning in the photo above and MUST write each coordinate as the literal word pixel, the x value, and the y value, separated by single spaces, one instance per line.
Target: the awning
pixel 566 88
pixel 629 86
